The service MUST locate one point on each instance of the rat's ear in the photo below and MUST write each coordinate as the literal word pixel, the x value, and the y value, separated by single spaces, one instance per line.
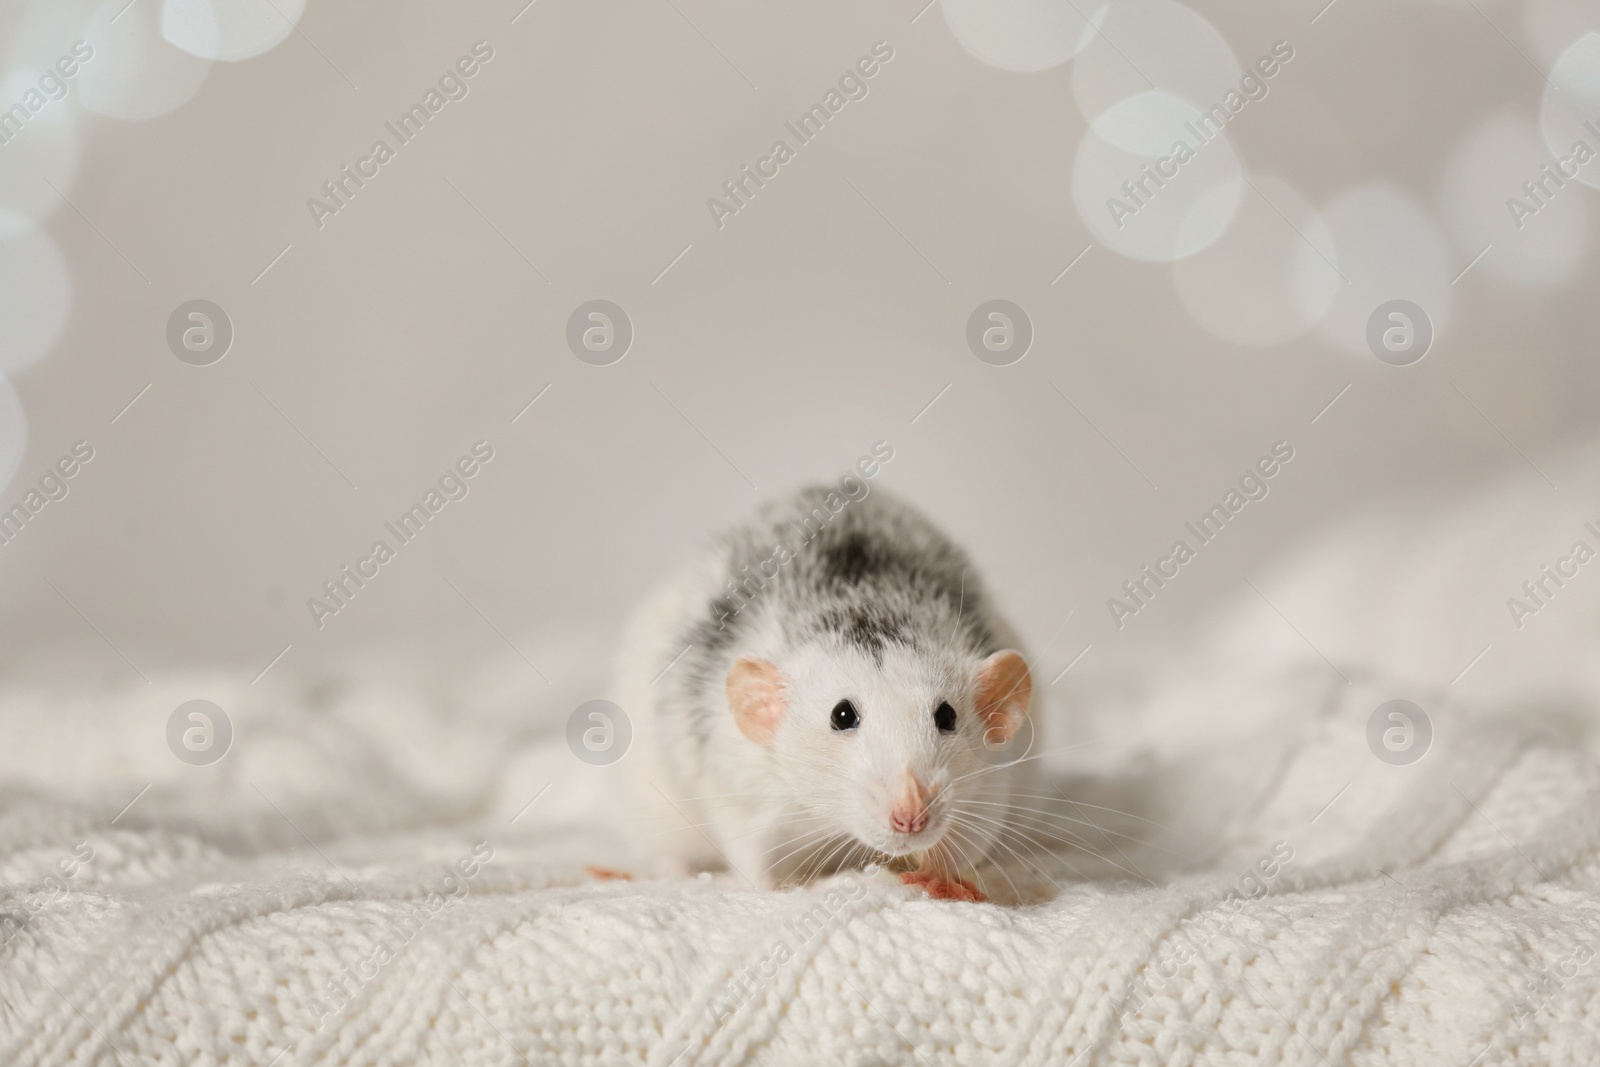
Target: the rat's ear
pixel 1004 690
pixel 756 697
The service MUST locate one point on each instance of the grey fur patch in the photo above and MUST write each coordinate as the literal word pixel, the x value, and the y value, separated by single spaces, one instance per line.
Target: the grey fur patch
pixel 873 573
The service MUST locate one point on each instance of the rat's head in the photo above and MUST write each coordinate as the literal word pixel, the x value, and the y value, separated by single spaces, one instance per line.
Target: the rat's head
pixel 886 747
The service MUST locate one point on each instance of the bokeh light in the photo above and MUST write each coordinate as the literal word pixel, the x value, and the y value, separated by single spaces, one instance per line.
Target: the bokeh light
pixel 1571 104
pixel 47 149
pixel 1271 276
pixel 40 32
pixel 1389 249
pixel 135 73
pixel 1544 239
pixel 1022 35
pixel 35 292
pixel 229 30
pixel 1141 198
pixel 1153 44
pixel 1552 25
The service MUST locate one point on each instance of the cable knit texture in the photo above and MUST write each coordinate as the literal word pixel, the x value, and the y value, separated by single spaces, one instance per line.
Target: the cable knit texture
pixel 343 889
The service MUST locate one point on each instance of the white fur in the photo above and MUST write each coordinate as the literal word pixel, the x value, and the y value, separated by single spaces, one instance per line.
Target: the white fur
pixel 817 798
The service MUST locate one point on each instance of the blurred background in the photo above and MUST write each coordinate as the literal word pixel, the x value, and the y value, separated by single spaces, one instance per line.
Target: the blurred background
pixel 367 317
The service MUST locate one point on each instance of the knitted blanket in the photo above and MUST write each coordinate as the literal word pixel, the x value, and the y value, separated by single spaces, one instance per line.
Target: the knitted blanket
pixel 1304 892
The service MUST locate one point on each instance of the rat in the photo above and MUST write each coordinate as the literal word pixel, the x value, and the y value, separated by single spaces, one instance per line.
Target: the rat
pixel 828 686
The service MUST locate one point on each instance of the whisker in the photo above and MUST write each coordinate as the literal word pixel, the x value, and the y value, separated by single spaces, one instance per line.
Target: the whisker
pixel 1038 851
pixel 1026 759
pixel 721 796
pixel 1035 866
pixel 841 858
pixel 796 839
pixel 810 839
pixel 1074 841
pixel 819 863
pixel 858 856
pixel 951 845
pixel 1060 797
pixel 1031 815
pixel 976 873
pixel 1113 844
pixel 1042 862
pixel 947 853
pixel 1050 855
pixel 675 821
pixel 957 832
pixel 1045 829
pixel 1104 859
pixel 797 818
pixel 1081 822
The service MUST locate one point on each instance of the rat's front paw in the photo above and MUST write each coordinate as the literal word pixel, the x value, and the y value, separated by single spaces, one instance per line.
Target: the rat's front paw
pixel 940 888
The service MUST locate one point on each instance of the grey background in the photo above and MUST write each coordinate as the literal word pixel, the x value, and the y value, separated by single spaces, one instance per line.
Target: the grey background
pixel 825 316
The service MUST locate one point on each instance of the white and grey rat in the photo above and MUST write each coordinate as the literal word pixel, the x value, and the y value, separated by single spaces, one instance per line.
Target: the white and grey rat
pixel 828 686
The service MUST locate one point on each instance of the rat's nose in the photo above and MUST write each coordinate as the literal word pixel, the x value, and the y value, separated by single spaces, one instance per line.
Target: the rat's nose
pixel 909 814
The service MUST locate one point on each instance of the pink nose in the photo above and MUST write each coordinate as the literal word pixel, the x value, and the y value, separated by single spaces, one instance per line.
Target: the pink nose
pixel 909 815
pixel 907 822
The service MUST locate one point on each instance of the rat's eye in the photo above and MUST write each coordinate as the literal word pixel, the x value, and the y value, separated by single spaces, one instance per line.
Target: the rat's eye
pixel 944 717
pixel 844 716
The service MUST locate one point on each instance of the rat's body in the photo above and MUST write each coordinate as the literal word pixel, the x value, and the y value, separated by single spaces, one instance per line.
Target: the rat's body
pixel 826 676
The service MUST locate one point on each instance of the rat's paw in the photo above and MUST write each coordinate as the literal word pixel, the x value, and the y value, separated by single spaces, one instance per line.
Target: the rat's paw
pixel 940 888
pixel 606 874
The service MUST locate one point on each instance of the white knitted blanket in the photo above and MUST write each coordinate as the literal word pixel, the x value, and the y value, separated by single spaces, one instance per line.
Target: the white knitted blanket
pixel 332 893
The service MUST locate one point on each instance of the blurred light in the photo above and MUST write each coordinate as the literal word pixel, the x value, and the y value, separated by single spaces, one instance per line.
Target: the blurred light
pixel 35 292
pixel 1572 99
pixel 1543 241
pixel 46 148
pixel 1389 249
pixel 1552 25
pixel 42 32
pixel 134 73
pixel 1263 283
pixel 1136 196
pixel 1160 44
pixel 13 433
pixel 229 30
pixel 1022 35
pixel 35 38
